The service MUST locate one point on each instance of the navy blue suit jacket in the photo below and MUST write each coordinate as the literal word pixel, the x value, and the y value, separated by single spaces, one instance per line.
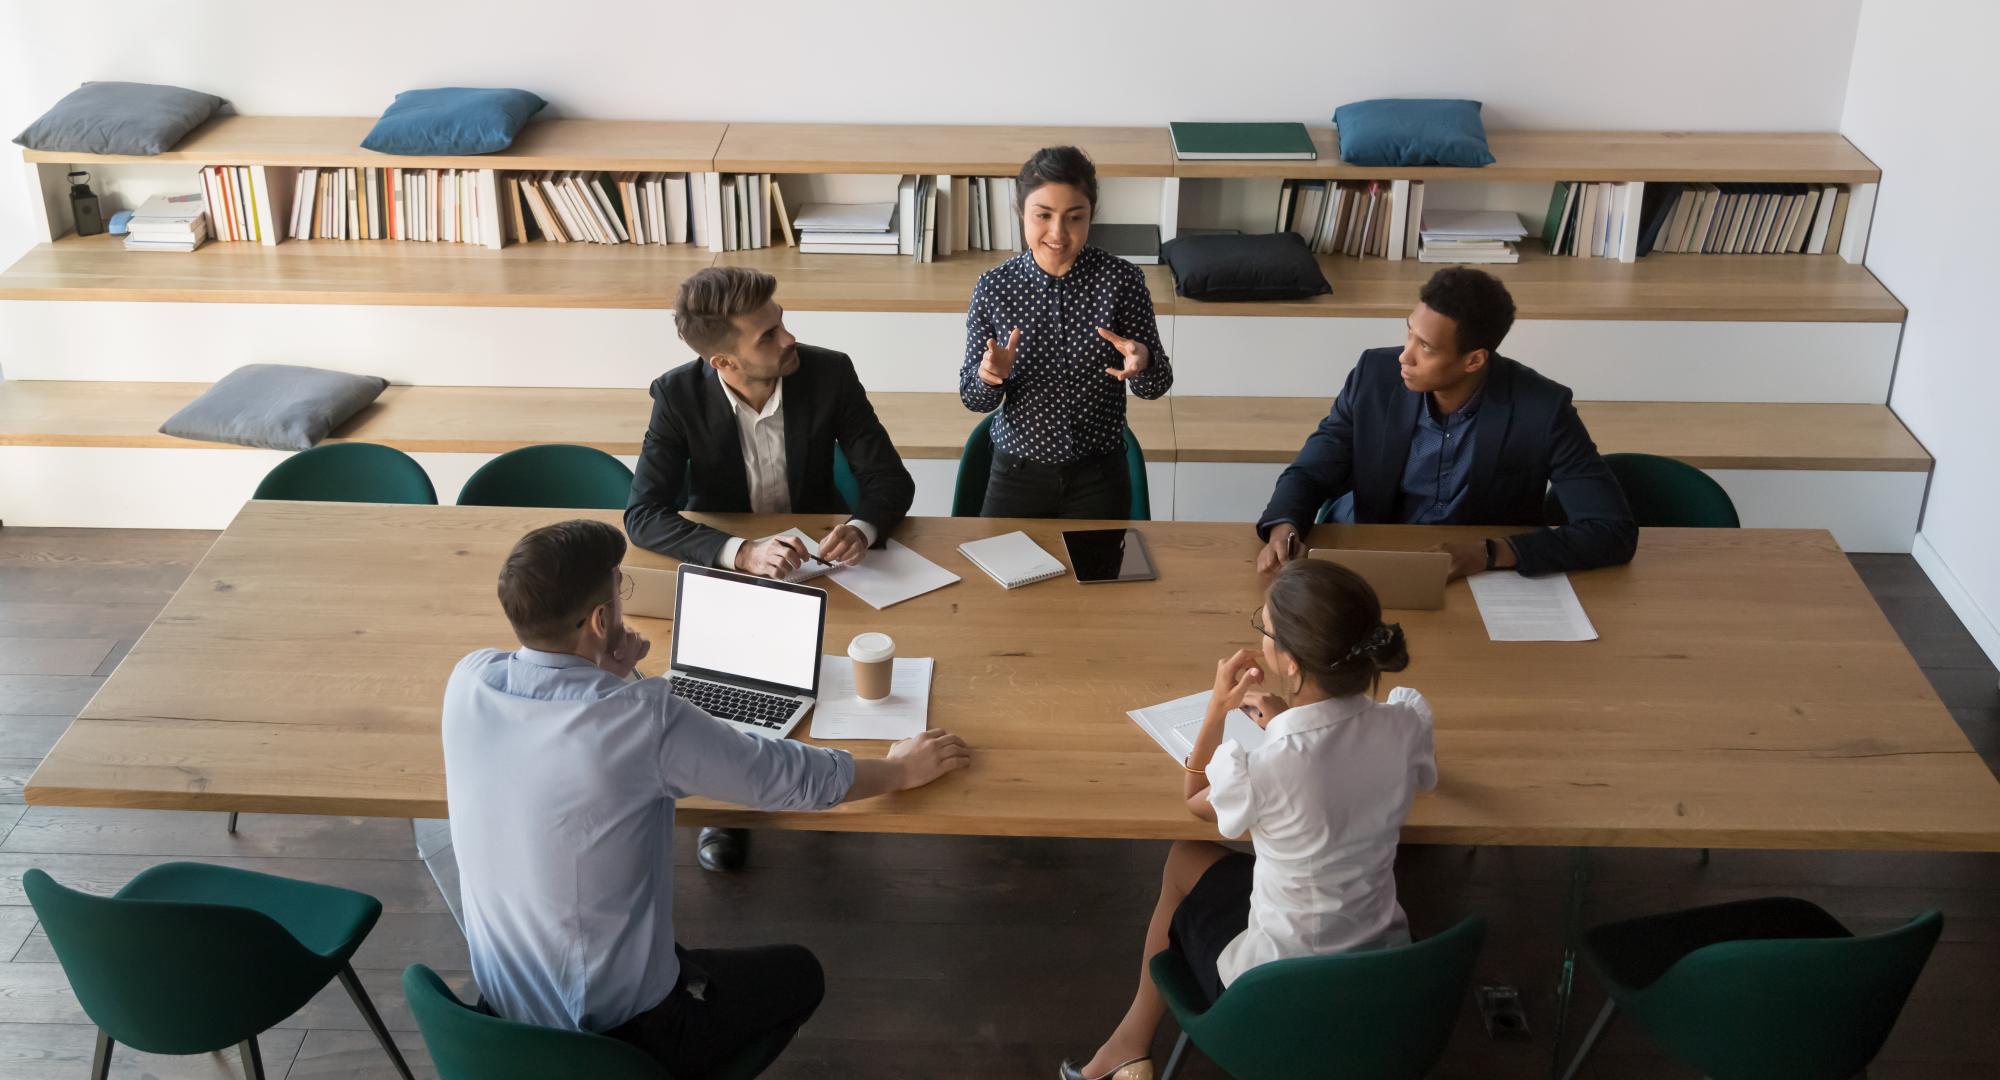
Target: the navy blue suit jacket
pixel 1529 441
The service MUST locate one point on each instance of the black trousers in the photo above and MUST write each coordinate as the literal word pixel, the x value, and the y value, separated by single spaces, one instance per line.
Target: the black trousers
pixel 725 1000
pixel 1096 487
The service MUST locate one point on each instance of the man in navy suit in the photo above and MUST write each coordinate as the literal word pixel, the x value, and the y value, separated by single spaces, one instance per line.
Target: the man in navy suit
pixel 1446 431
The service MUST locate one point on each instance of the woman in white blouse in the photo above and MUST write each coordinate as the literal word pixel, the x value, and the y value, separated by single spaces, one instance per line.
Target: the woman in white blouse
pixel 1322 801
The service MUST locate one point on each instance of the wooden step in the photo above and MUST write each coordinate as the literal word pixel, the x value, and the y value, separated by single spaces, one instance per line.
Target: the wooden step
pixel 491 420
pixel 1709 435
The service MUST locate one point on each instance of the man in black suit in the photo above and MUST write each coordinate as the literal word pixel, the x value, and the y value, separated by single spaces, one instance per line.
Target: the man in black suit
pixel 751 427
pixel 1446 431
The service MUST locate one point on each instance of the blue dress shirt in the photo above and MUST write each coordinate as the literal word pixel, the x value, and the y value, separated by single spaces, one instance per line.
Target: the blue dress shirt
pixel 1440 463
pixel 561 779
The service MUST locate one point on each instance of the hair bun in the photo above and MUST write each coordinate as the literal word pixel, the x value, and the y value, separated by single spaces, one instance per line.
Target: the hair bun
pixel 1383 647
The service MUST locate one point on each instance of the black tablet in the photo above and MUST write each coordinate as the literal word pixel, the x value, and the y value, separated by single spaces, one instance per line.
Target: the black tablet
pixel 1108 555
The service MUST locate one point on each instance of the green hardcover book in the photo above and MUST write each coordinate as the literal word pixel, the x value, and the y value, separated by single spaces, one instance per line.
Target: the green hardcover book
pixel 1242 142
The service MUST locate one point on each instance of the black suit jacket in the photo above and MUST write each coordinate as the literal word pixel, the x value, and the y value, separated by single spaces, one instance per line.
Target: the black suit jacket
pixel 1529 440
pixel 693 458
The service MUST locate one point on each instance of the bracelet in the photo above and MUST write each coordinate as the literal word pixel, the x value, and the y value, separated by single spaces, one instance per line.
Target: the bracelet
pixel 1192 769
pixel 1491 553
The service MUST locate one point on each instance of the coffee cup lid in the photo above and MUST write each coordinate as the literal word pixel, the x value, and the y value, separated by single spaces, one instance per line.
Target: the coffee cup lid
pixel 871 648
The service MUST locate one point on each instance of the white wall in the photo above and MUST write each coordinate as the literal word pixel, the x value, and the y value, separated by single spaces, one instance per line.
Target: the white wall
pixel 1920 103
pixel 1780 64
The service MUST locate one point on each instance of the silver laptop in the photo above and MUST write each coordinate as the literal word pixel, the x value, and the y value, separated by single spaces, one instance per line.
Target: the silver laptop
pixel 746 649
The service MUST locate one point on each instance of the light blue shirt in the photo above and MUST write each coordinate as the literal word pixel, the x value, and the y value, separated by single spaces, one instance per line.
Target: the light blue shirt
pixel 561 780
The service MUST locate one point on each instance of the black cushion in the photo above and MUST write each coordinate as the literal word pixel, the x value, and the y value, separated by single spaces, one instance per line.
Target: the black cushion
pixel 1268 266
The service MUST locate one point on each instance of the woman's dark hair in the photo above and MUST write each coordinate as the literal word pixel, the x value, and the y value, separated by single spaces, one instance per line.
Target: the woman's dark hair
pixel 1473 299
pixel 1056 165
pixel 1329 619
pixel 557 575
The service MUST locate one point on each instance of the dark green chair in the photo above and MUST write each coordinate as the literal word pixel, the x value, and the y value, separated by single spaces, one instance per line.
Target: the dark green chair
pixel 190 958
pixel 1770 989
pixel 550 475
pixel 349 472
pixel 467 1044
pixel 975 467
pixel 1664 494
pixel 1384 1014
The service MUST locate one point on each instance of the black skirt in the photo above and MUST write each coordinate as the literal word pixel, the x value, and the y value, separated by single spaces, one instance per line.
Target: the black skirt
pixel 1211 916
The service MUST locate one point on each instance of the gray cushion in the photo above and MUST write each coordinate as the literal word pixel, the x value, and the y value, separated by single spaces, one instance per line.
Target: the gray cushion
pixel 138 119
pixel 274 406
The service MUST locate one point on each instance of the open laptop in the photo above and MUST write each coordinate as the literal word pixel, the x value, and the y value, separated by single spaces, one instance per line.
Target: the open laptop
pixel 746 649
pixel 1407 580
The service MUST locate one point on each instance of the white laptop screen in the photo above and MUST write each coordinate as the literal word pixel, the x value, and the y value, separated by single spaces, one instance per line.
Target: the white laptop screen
pixel 741 628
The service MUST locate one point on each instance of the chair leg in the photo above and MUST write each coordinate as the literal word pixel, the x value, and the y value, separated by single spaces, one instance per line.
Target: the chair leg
pixel 253 1060
pixel 100 1064
pixel 1704 857
pixel 360 995
pixel 1174 1059
pixel 1590 1038
pixel 232 823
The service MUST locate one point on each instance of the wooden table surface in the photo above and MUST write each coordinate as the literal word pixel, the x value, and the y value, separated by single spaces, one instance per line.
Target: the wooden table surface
pixel 1746 691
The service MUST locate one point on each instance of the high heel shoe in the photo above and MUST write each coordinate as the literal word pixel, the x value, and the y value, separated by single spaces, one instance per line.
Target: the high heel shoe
pixel 1136 1069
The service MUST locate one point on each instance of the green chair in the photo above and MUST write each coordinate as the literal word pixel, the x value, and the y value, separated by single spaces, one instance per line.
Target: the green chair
pixel 349 472
pixel 975 466
pixel 1384 1014
pixel 189 958
pixel 467 1044
pixel 550 475
pixel 1664 493
pixel 1769 989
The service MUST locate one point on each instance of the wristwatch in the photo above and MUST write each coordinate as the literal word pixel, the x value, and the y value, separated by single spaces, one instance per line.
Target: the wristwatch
pixel 1491 553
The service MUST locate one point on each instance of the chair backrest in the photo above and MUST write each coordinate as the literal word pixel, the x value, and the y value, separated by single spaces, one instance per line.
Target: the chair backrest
pixel 975 466
pixel 1664 494
pixel 551 475
pixel 844 481
pixel 349 472
pixel 467 1044
pixel 1384 1014
pixel 1786 1009
pixel 169 977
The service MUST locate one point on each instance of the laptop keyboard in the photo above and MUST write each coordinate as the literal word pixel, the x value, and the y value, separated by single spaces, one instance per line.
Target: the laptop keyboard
pixel 725 702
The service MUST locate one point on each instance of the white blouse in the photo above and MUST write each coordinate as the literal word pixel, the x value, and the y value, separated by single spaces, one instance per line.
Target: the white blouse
pixel 1323 801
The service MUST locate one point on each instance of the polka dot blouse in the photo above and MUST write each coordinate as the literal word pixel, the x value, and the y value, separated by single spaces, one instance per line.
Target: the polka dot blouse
pixel 1058 405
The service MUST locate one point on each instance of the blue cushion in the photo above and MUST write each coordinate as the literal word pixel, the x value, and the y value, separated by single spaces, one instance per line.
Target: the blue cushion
pixel 135 119
pixel 1412 131
pixel 452 120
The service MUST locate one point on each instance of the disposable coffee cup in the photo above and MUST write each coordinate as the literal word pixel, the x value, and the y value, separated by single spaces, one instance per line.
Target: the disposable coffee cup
pixel 874 657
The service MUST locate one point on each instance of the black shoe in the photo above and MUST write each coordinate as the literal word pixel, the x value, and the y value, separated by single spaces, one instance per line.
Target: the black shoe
pixel 722 850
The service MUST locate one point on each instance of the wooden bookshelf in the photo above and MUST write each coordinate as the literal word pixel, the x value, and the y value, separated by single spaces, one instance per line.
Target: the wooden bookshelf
pixel 1726 288
pixel 893 283
pixel 955 149
pixel 613 145
pixel 1809 157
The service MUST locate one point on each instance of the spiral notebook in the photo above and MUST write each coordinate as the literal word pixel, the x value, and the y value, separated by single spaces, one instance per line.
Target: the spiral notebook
pixel 1012 559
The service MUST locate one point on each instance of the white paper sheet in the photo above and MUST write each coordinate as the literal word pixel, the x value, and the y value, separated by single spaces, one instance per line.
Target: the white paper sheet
pixel 1174 724
pixel 1517 608
pixel 841 715
pixel 886 576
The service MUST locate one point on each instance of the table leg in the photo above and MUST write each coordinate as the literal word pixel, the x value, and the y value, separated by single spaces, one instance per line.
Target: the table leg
pixel 433 842
pixel 1579 880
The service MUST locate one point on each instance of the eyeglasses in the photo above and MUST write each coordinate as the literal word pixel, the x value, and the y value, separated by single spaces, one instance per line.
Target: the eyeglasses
pixel 625 588
pixel 1257 624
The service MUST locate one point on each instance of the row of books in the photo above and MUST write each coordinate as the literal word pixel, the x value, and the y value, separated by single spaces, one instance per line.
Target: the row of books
pixel 931 217
pixel 753 213
pixel 239 203
pixel 1351 217
pixel 364 203
pixel 1744 219
pixel 574 207
pixel 1587 220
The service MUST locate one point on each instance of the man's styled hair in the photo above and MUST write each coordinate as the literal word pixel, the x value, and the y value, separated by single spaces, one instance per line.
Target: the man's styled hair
pixel 556 575
pixel 1476 301
pixel 714 296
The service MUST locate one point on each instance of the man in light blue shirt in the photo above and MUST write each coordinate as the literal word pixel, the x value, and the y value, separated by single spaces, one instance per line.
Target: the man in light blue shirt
pixel 561 777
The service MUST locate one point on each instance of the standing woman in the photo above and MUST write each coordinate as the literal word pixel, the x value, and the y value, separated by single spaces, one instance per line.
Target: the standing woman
pixel 1053 338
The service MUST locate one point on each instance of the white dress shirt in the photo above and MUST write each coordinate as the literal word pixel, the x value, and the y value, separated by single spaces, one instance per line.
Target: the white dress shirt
pixel 561 780
pixel 1323 801
pixel 761 434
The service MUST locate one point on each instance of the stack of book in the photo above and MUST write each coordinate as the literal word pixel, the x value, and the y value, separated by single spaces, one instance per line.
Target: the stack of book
pixel 168 223
pixel 428 205
pixel 654 208
pixel 852 228
pixel 1352 217
pixel 1744 219
pixel 1470 236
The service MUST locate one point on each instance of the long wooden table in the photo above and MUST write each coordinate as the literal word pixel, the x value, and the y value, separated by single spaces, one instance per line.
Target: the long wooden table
pixel 1745 692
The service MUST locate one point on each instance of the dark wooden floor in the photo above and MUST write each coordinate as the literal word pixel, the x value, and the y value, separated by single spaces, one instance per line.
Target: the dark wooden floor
pixel 945 957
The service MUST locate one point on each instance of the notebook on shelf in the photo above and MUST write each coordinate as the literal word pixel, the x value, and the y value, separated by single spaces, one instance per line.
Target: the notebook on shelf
pixel 1242 142
pixel 1012 559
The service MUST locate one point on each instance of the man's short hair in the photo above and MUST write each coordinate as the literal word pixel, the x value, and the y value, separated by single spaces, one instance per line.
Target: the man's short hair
pixel 1474 300
pixel 556 575
pixel 714 296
